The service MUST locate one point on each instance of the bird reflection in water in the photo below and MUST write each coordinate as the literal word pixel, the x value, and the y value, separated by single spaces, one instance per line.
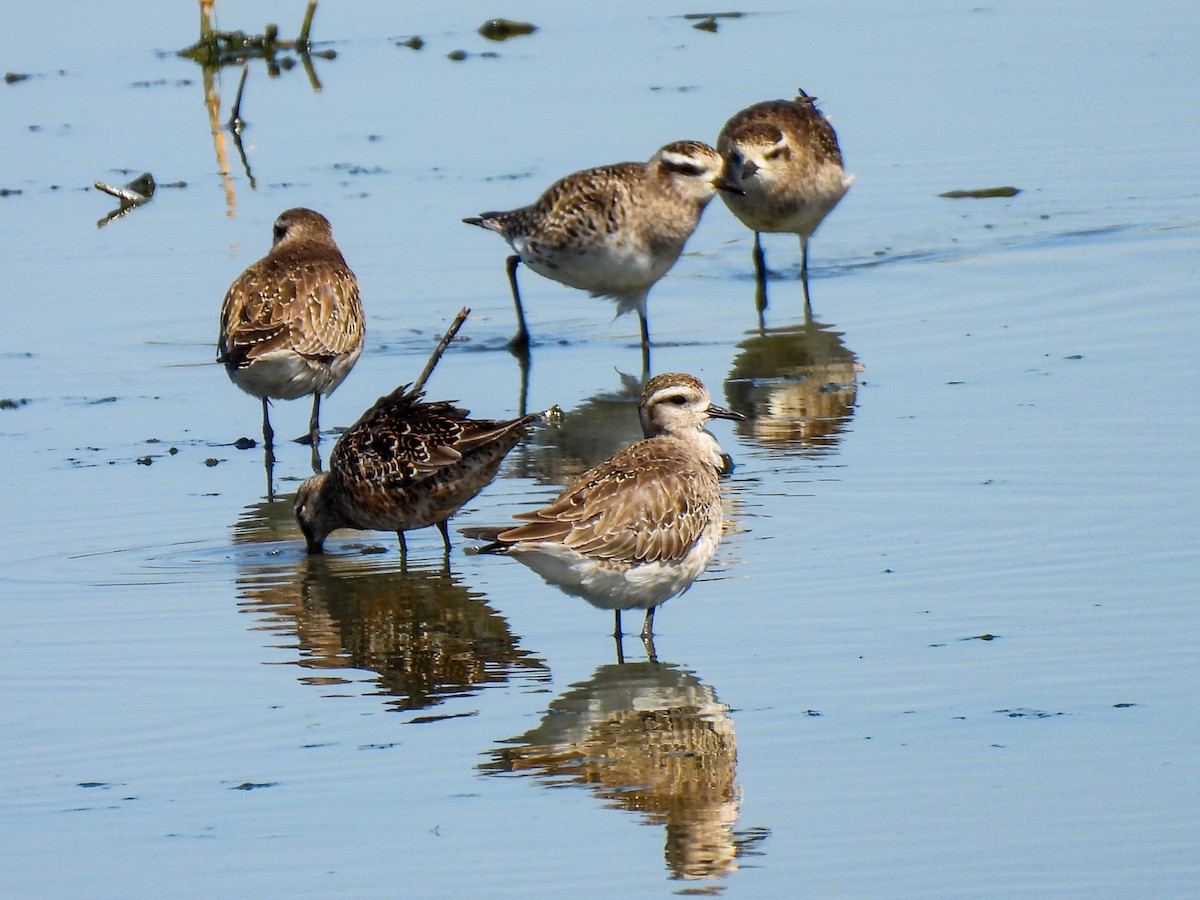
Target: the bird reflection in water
pixel 650 738
pixel 797 387
pixel 588 434
pixel 423 633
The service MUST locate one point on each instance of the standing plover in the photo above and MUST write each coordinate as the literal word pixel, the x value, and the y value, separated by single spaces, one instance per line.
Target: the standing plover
pixel 292 323
pixel 614 230
pixel 639 528
pixel 405 464
pixel 783 155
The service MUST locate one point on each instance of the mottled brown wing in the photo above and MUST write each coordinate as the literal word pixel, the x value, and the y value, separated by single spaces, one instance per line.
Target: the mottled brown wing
pixel 295 300
pixel 642 505
pixel 402 439
pixel 572 207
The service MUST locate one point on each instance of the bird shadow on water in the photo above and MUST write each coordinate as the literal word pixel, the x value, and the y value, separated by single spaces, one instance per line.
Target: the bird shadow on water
pixel 422 633
pixel 653 739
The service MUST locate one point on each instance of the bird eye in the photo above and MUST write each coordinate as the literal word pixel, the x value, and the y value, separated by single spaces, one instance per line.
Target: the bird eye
pixel 691 170
pixel 677 399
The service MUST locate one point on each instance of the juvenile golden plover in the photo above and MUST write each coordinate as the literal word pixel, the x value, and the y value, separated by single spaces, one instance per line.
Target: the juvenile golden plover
pixel 783 156
pixel 612 231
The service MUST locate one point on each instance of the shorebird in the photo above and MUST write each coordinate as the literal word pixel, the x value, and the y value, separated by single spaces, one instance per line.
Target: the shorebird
pixel 639 528
pixel 292 323
pixel 405 464
pixel 783 156
pixel 612 231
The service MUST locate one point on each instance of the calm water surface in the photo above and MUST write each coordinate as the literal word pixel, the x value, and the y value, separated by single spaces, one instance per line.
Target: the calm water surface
pixel 948 646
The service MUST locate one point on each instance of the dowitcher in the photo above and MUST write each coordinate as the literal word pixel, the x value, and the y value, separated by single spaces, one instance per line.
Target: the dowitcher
pixel 405 464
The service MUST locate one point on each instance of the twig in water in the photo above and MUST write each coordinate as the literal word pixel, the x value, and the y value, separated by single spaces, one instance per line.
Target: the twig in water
pixel 440 349
pixel 236 122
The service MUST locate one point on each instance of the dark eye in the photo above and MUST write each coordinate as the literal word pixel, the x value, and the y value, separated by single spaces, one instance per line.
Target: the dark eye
pixel 280 231
pixel 691 170
pixel 776 153
pixel 677 399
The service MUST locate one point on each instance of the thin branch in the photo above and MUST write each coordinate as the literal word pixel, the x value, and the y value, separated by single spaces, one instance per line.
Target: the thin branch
pixel 419 384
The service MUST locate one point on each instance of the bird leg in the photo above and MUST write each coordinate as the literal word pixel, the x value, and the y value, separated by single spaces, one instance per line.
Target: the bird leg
pixel 651 653
pixel 444 528
pixel 648 626
pixel 617 624
pixel 403 550
pixel 645 347
pixel 314 431
pixel 268 431
pixel 520 341
pixel 760 278
pixel 804 279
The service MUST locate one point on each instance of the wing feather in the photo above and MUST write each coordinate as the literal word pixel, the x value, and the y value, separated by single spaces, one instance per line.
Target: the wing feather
pixel 650 502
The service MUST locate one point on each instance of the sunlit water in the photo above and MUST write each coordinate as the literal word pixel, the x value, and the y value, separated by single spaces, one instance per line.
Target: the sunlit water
pixel 947 647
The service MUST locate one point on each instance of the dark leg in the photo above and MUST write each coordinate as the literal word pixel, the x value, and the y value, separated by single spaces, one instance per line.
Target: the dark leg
pixel 523 361
pixel 444 528
pixel 520 341
pixel 651 653
pixel 268 451
pixel 645 345
pixel 314 432
pixel 648 625
pixel 268 431
pixel 620 649
pixel 617 624
pixel 804 278
pixel 760 279
pixel 403 550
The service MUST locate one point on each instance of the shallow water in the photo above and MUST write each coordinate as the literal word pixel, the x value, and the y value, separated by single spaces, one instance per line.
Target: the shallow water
pixel 947 647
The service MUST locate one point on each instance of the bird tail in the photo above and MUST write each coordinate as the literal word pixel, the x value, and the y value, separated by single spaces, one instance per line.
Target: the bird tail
pixel 487 533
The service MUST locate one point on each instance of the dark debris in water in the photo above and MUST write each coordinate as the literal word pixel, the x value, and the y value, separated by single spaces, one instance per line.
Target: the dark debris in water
pixel 1124 705
pixel 15 77
pixel 129 197
pixel 1024 713
pixel 503 29
pixel 12 403
pixel 245 443
pixel 413 43
pixel 982 193
pixel 253 785
pixel 9 192
pixel 427 720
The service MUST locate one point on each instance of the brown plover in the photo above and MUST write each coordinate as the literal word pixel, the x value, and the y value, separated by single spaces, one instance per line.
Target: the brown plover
pixel 640 527
pixel 783 155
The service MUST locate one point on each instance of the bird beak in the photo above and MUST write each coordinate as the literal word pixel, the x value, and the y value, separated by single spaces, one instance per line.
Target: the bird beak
pixel 749 168
pixel 720 412
pixel 729 187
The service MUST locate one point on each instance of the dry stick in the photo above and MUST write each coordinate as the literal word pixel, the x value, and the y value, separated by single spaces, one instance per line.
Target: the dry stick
pixel 302 42
pixel 440 349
